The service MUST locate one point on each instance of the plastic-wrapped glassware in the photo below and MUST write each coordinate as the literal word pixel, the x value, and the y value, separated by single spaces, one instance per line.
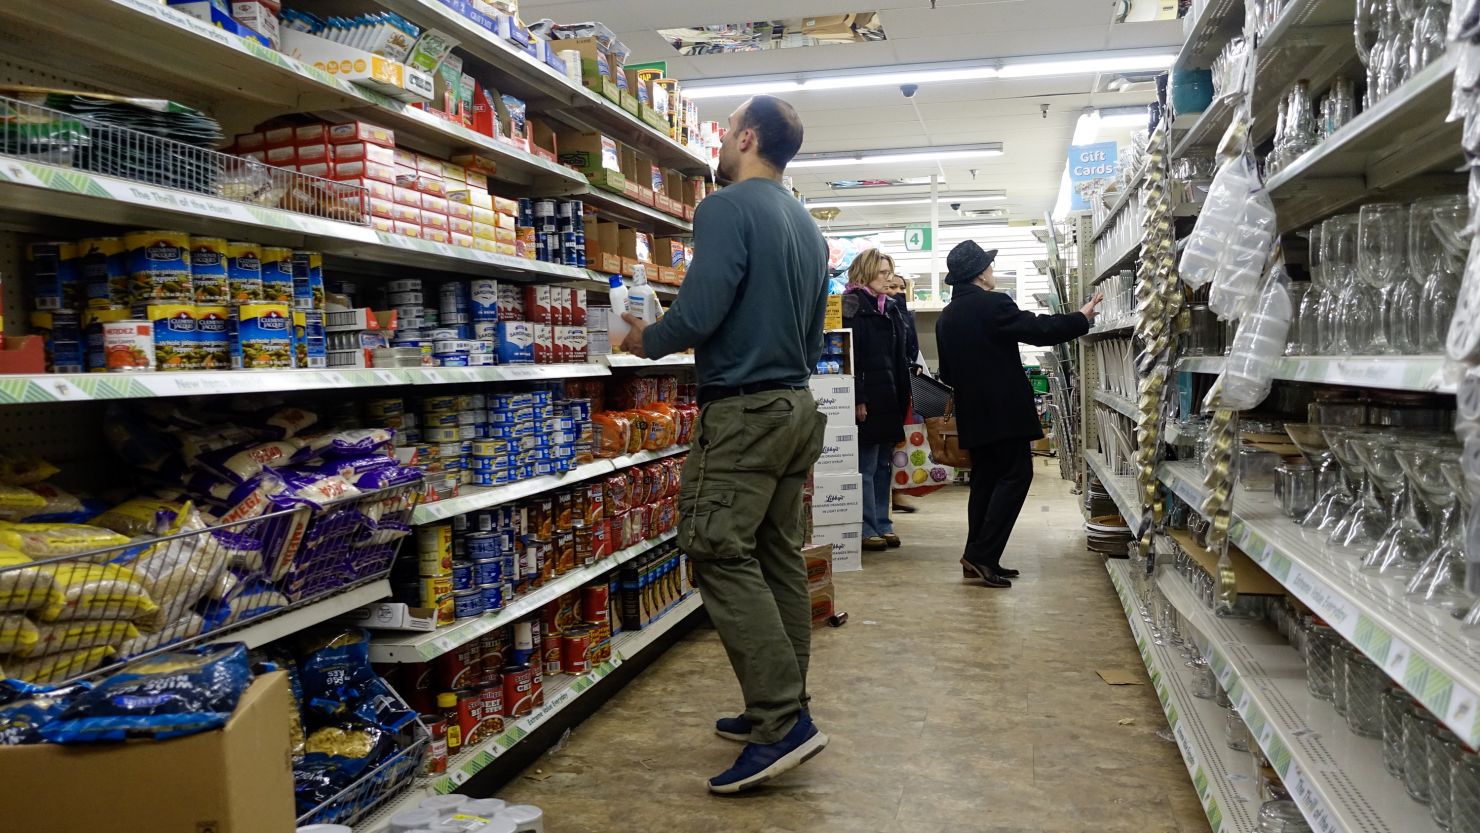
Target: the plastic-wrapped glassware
pixel 1259 343
pixel 1236 285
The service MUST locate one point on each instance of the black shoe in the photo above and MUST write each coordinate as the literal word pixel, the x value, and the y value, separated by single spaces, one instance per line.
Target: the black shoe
pixel 988 576
pixel 1007 571
pixel 892 540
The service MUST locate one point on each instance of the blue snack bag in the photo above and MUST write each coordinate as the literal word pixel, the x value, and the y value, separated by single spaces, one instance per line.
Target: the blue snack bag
pixel 172 694
pixel 25 708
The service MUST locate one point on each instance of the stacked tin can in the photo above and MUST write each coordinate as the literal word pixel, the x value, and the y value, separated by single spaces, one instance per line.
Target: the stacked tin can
pixel 408 299
pixel 449 425
pixel 559 230
pixel 482 561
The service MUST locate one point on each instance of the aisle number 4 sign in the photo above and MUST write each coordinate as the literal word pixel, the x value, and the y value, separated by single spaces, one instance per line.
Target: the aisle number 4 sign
pixel 917 239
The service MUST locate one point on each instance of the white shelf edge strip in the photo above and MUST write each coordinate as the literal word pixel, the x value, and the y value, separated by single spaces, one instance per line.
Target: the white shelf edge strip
pixel 1353 793
pixel 293 621
pixel 625 646
pixel 83 387
pixel 1227 809
pixel 1375 623
pixel 483 498
pixel 426 646
pixel 1416 373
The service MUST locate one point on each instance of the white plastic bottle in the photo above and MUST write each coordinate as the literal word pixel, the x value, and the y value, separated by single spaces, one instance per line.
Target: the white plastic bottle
pixel 616 328
pixel 642 301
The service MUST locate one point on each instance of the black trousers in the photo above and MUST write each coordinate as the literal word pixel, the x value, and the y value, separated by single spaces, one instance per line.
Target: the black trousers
pixel 1001 473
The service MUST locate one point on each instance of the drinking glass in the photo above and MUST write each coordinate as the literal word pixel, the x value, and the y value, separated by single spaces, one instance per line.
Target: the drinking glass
pixel 1464 795
pixel 1330 486
pixel 1444 756
pixel 1341 104
pixel 1300 122
pixel 1382 232
pixel 1368 518
pixel 1439 254
pixel 1368 13
pixel 1429 34
pixel 1339 267
pixel 1320 642
pixel 1281 816
pixel 1394 35
pixel 1418 725
pixel 1406 542
pixel 1440 580
pixel 1395 705
pixel 1380 461
pixel 1364 686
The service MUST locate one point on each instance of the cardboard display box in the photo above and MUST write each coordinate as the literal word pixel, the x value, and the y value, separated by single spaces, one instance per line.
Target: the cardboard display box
pixel 835 398
pixel 839 450
pixel 819 565
pixel 237 779
pixel 837 499
pixel 846 541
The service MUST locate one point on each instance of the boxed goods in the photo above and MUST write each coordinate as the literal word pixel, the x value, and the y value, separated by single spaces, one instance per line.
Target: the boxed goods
pixel 837 499
pixel 839 449
pixel 834 395
pixel 846 541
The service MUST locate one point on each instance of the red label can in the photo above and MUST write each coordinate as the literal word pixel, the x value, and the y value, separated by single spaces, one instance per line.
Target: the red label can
pixel 595 602
pixel 595 503
pixel 493 653
pixel 436 760
pixel 552 654
pixel 459 668
pixel 575 649
pixel 564 509
pixel 565 552
pixel 493 709
pixel 518 691
pixel 470 717
pixel 536 686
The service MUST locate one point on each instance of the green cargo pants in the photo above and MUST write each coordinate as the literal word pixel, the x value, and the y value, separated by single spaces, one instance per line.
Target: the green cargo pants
pixel 740 521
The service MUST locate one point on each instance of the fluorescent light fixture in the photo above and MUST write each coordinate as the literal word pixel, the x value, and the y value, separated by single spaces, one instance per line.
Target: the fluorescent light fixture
pixel 885 157
pixel 1058 65
pixel 1089 125
pixel 891 201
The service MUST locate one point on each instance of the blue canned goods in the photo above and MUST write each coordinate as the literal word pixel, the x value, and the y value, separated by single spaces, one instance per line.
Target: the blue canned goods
pixel 544 468
pixel 462 575
pixel 562 451
pixel 482 545
pixel 482 520
pixel 493 596
pixel 488 571
pixel 578 408
pixel 484 478
pixel 525 472
pixel 467 603
pixel 540 397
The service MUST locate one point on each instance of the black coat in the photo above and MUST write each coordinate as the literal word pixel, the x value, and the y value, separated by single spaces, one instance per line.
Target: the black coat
pixel 911 337
pixel 978 336
pixel 880 372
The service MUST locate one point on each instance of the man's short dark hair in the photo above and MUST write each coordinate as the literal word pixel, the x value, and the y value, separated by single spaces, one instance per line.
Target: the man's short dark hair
pixel 777 126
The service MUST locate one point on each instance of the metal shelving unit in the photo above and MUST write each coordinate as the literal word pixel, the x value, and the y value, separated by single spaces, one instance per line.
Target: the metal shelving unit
pixel 1108 266
pixel 1207 129
pixel 272 628
pixel 1196 724
pixel 1410 373
pixel 474 498
pixel 559 694
pixel 419 647
pixel 1117 403
pixel 1335 776
pixel 1423 649
pixel 1122 489
pixel 1214 25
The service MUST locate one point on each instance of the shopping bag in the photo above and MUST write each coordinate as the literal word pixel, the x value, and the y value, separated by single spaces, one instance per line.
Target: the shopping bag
pixel 945 444
pixel 915 471
pixel 928 395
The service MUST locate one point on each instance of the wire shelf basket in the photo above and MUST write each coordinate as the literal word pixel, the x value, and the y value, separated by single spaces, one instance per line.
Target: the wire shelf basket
pixel 34 133
pixel 373 789
pixel 81 613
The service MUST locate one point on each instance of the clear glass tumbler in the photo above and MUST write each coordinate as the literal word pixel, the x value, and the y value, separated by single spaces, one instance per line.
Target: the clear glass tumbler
pixel 1320 662
pixel 1418 725
pixel 1444 756
pixel 1395 705
pixel 1464 794
pixel 1364 685
pixel 1281 816
pixel 1234 731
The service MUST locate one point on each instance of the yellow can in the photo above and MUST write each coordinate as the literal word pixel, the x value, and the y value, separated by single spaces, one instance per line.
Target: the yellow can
pixel 159 267
pixel 208 270
pixel 244 272
pixel 277 275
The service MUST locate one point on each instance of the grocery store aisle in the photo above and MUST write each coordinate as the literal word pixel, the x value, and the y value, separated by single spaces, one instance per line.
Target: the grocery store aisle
pixel 951 707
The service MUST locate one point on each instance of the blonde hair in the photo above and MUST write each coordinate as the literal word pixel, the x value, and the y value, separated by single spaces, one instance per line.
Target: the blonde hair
pixel 865 267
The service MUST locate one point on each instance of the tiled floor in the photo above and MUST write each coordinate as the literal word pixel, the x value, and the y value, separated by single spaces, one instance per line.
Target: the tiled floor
pixel 951 707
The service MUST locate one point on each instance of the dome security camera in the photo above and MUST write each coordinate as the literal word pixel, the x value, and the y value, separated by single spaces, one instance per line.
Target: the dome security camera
pixel 909 90
pixel 955 206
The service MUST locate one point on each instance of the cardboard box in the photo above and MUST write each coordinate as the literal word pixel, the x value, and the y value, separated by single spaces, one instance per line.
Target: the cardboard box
pixel 237 779
pixel 824 604
pixel 819 565
pixel 835 398
pixel 837 499
pixel 846 541
pixel 839 450
pixel 543 141
pixel 833 320
pixel 603 247
pixel 394 616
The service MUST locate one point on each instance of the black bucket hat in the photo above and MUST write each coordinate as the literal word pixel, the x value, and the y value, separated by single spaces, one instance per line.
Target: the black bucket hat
pixel 966 261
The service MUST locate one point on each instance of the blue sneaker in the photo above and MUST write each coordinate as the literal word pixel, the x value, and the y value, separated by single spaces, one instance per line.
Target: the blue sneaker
pixel 733 728
pixel 759 763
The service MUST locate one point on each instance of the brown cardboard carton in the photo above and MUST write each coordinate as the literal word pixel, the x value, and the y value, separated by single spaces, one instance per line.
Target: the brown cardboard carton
pixel 542 139
pixel 819 565
pixel 237 779
pixel 603 247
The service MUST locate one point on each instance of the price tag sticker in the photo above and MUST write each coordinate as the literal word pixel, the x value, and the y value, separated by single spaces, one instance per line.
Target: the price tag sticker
pixel 386 377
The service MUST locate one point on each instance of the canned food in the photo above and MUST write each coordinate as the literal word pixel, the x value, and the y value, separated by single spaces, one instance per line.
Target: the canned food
pixel 277 275
pixel 436 759
pixel 596 602
pixel 493 596
pixel 159 267
pixel 128 346
pixel 103 266
pixel 493 710
pixel 457 669
pixel 469 716
pixel 468 603
pixel 523 641
pixel 518 685
pixel 487 571
pixel 482 546
pixel 244 272
pixel 550 655
pixel 575 648
pixel 462 575
pixel 493 652
pixel 565 552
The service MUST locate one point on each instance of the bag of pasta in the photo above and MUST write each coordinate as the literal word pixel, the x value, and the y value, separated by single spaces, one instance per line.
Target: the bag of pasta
pixel 96 591
pixel 25 586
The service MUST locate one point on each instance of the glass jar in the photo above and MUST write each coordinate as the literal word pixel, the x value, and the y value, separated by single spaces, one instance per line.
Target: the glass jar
pixel 1444 756
pixel 1320 662
pixel 1281 816
pixel 1340 655
pixel 1464 794
pixel 1395 704
pixel 1364 685
pixel 1418 724
pixel 1234 731
pixel 1271 787
pixel 1204 681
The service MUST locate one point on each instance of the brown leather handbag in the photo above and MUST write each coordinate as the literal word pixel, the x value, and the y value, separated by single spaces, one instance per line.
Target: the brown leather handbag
pixel 945 443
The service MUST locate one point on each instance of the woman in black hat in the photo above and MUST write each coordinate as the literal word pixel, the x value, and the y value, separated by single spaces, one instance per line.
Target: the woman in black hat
pixel 996 418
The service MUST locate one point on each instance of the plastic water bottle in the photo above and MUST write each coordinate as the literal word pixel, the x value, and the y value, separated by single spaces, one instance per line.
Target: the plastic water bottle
pixel 616 328
pixel 642 301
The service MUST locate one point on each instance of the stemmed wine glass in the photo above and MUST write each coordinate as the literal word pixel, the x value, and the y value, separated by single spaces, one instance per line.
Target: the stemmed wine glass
pixel 1381 259
pixel 1366 521
pixel 1333 498
pixel 1306 330
pixel 1430 34
pixel 1440 580
pixel 1351 312
pixel 1407 541
pixel 1438 255
pixel 1369 47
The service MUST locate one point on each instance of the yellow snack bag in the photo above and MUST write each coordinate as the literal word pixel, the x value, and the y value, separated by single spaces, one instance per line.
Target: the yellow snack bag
pixel 26 588
pixel 23 470
pixel 55 638
pixel 97 591
pixel 41 541
pixel 136 517
pixel 18 502
pixel 54 668
pixel 17 633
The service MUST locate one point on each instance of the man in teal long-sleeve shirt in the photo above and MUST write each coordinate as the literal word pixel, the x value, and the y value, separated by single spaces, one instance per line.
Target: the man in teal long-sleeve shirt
pixel 752 306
